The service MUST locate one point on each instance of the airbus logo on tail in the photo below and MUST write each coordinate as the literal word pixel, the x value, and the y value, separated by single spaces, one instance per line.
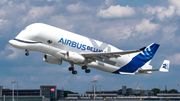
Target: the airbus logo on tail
pixel 165 66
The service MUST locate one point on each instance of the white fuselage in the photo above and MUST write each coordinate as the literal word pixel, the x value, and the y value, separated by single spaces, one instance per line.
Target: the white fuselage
pixel 57 42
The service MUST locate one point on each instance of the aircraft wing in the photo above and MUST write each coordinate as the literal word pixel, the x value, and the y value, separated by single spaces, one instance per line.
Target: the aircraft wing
pixel 100 56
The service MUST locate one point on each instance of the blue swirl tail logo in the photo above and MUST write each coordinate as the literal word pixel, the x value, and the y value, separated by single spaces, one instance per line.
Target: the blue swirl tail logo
pixel 148 53
pixel 140 59
pixel 164 66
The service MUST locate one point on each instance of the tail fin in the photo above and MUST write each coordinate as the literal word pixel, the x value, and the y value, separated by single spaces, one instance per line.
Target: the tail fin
pixel 140 59
pixel 165 66
pixel 148 53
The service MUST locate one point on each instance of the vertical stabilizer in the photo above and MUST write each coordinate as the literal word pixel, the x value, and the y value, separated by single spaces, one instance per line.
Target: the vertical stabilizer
pixel 165 66
pixel 140 59
pixel 148 53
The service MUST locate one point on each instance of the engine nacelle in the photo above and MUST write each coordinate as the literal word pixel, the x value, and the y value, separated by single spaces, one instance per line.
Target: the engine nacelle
pixel 75 57
pixel 52 60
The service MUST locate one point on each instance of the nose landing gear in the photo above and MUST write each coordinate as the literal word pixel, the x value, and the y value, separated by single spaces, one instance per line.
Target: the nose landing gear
pixel 27 52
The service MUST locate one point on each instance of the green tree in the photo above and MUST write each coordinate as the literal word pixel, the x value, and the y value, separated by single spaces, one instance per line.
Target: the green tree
pixel 173 91
pixel 156 91
pixel 66 92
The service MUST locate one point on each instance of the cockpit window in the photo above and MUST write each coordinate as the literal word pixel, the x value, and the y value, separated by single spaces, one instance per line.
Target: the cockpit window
pixel 49 41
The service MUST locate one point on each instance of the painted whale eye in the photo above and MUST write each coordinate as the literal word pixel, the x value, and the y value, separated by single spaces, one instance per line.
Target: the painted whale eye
pixel 49 41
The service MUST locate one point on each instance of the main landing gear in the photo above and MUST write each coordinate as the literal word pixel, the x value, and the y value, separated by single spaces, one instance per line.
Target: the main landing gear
pixel 86 70
pixel 72 69
pixel 75 72
pixel 27 52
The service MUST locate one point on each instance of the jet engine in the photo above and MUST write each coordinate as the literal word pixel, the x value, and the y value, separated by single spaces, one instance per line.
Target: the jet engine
pixel 75 57
pixel 52 60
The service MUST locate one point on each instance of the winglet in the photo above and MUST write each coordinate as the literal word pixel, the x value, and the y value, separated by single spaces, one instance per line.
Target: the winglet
pixel 165 66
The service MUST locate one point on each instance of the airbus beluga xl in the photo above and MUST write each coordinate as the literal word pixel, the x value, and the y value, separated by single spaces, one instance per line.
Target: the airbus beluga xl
pixel 61 45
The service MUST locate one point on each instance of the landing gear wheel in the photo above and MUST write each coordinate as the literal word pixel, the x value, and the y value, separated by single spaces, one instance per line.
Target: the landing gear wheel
pixel 84 67
pixel 27 54
pixel 74 72
pixel 87 70
pixel 71 68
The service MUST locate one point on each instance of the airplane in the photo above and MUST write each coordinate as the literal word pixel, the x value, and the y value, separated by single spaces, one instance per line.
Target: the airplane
pixel 61 45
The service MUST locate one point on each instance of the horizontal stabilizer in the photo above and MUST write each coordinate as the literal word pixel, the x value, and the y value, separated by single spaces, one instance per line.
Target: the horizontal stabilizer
pixel 165 66
pixel 148 70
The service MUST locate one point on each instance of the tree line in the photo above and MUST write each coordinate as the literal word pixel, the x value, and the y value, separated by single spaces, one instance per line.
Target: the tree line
pixel 157 90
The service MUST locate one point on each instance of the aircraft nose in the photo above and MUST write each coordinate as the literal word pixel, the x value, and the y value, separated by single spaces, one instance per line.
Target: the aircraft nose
pixel 11 42
pixel 18 44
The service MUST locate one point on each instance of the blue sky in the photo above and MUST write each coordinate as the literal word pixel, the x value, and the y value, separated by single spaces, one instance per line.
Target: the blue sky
pixel 126 24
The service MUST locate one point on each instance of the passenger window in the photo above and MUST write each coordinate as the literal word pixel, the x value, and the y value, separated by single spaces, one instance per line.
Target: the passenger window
pixel 49 41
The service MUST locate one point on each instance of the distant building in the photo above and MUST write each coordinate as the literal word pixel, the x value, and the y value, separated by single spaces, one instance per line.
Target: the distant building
pixel 1 88
pixel 49 92
pixel 21 92
pixel 45 93
pixel 24 98
pixel 60 94
pixel 124 92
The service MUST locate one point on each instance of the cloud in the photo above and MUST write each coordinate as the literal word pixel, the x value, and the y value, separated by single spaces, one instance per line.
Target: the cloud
pixel 48 70
pixel 146 26
pixel 97 77
pixel 78 7
pixel 42 75
pixel 166 13
pixel 116 12
pixel 11 13
pixel 168 35
pixel 161 12
pixel 3 1
pixel 154 10
pixel 3 25
pixel 109 2
pixel 2 13
pixel 8 55
pixel 15 53
pixel 86 78
pixel 117 33
pixel 175 59
pixel 36 13
pixel 61 21
pixel 176 5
